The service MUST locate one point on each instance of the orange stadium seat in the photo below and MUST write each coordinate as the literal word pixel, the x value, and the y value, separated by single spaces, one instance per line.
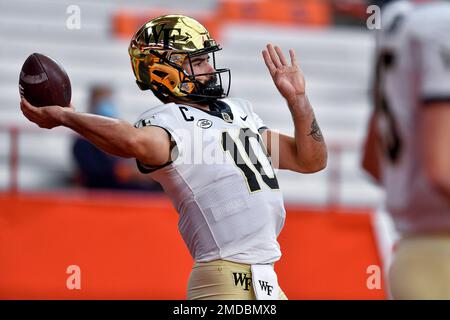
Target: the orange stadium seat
pixel 284 12
pixel 126 22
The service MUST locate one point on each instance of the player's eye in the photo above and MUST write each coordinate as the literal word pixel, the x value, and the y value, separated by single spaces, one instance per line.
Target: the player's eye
pixel 200 61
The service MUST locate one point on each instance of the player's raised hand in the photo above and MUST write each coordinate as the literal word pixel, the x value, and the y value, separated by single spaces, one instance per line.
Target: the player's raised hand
pixel 45 117
pixel 288 79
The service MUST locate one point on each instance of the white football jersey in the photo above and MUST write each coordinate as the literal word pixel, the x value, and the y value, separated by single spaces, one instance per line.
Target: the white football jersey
pixel 220 181
pixel 415 52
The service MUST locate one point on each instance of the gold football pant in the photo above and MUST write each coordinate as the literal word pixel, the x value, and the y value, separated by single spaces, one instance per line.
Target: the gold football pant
pixel 421 268
pixel 222 280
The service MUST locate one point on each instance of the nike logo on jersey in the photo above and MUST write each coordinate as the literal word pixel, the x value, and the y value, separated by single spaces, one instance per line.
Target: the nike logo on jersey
pixel 244 118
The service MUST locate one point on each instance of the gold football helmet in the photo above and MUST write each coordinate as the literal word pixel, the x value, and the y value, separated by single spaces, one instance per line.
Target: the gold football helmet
pixel 158 51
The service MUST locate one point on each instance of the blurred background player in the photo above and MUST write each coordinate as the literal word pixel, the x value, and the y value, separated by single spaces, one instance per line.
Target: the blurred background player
pixel 97 169
pixel 407 144
pixel 231 210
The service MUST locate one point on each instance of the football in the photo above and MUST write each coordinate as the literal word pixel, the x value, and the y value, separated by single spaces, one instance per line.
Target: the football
pixel 44 82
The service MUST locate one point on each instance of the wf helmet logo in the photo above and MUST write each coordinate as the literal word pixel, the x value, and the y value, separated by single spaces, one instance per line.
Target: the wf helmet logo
pixel 243 280
pixel 154 35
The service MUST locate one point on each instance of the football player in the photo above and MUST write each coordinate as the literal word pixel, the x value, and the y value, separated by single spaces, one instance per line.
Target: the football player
pixel 211 154
pixel 407 149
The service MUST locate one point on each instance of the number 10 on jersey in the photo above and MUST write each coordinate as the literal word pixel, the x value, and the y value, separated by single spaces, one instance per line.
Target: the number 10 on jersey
pixel 242 160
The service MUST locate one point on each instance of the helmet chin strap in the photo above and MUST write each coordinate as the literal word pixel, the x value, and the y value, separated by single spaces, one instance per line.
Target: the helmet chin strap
pixel 210 88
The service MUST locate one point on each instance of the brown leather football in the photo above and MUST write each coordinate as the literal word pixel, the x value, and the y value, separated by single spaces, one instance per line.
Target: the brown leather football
pixel 44 82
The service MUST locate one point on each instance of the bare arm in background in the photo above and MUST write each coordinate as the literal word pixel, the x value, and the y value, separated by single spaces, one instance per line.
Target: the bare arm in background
pixel 370 158
pixel 435 144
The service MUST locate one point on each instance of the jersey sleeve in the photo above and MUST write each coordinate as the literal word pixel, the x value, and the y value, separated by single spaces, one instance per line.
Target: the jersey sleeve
pixel 260 125
pixel 259 122
pixel 164 118
pixel 433 59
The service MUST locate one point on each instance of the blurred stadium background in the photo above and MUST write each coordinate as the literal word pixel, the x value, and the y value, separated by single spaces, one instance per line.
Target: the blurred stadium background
pixel 127 244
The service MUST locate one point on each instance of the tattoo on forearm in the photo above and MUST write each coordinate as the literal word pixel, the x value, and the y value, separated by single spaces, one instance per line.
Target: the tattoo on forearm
pixel 315 132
